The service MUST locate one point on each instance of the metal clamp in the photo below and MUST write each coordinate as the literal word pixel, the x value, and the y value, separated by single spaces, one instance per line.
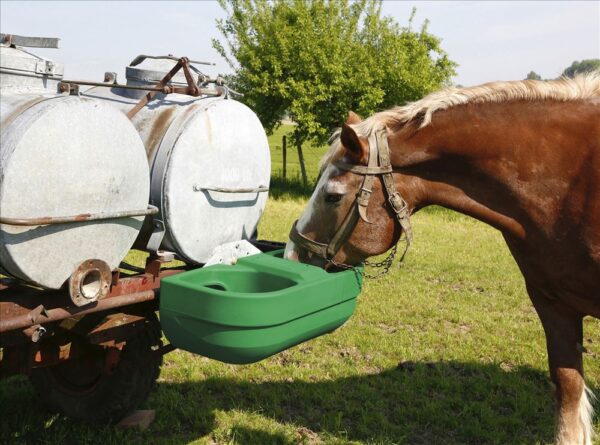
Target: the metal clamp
pixel 84 217
pixel 45 67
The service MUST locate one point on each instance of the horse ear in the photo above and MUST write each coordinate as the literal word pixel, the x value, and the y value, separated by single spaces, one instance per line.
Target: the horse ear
pixel 355 149
pixel 353 118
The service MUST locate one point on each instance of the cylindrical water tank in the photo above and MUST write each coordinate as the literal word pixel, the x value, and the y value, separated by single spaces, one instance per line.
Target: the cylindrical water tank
pixel 209 164
pixel 63 157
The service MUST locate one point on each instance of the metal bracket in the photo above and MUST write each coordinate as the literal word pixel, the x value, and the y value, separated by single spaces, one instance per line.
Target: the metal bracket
pixel 110 77
pixel 72 89
pixel 45 67
pixel 158 233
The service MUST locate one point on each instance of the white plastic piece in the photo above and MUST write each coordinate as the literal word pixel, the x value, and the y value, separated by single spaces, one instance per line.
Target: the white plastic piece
pixel 229 253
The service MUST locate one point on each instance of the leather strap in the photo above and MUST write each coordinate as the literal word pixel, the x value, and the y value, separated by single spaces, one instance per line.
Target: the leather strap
pixel 308 244
pixel 362 169
pixel 396 201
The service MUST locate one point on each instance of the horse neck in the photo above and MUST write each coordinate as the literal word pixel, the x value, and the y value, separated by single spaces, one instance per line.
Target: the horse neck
pixel 505 164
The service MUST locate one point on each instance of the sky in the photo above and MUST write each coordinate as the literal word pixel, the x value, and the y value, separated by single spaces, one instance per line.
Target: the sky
pixel 489 40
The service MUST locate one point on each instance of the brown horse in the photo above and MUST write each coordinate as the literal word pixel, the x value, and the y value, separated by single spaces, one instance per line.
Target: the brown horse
pixel 523 157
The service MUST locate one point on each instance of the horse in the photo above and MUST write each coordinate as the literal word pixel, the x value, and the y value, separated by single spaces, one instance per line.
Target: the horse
pixel 521 156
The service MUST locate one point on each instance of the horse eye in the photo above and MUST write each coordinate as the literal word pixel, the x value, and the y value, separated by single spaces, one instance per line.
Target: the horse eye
pixel 333 197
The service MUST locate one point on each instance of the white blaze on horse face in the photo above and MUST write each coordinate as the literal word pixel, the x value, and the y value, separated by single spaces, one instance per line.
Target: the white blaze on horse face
pixel 315 205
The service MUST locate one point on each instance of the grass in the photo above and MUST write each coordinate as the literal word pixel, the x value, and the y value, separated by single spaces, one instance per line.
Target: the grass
pixel 445 350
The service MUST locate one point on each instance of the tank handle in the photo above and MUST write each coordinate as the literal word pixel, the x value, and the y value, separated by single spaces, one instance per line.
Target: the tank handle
pixel 259 189
pixel 84 217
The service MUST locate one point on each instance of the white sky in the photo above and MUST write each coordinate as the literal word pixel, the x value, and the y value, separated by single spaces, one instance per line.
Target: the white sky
pixel 489 40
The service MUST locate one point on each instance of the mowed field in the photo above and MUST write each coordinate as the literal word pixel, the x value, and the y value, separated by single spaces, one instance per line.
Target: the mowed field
pixel 447 349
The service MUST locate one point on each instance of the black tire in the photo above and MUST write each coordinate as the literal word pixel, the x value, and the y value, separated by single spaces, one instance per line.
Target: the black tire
pixel 82 390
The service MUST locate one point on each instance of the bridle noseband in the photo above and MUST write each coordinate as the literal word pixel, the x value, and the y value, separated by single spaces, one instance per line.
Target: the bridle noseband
pixel 379 165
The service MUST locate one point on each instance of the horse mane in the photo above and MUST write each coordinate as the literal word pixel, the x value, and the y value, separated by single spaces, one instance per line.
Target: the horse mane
pixel 565 89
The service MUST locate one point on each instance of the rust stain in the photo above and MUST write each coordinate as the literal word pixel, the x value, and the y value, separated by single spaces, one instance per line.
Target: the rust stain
pixel 21 109
pixel 159 127
pixel 209 128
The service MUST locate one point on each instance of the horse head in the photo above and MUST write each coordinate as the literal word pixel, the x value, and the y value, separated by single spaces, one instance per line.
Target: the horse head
pixel 355 211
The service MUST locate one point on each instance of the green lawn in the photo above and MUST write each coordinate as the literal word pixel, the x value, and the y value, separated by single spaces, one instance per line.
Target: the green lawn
pixel 445 350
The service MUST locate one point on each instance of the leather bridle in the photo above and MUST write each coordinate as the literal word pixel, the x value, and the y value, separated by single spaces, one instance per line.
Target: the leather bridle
pixel 379 165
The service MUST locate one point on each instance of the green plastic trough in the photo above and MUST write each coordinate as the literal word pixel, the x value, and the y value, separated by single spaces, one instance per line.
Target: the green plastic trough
pixel 256 308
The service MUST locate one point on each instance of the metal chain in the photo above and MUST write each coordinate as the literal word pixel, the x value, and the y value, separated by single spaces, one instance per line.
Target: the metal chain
pixel 388 260
pixel 386 264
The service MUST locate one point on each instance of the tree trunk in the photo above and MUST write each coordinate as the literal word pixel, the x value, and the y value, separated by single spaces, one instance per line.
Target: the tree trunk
pixel 284 148
pixel 302 166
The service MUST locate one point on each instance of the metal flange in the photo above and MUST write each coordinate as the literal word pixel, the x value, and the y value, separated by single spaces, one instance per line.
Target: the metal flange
pixel 90 282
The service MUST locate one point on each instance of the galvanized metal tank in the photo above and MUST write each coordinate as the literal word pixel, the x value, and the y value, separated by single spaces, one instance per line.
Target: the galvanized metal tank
pixel 71 171
pixel 210 164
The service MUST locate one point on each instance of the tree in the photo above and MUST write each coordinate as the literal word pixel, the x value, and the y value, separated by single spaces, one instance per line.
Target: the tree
pixel 533 76
pixel 585 66
pixel 316 60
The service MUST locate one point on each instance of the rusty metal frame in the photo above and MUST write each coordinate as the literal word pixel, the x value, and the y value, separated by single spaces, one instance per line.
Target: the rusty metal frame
pixel 25 323
pixel 19 311
pixel 20 308
pixel 183 63
pixel 192 89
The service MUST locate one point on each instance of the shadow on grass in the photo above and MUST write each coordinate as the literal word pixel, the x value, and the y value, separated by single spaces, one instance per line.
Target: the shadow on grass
pixel 417 403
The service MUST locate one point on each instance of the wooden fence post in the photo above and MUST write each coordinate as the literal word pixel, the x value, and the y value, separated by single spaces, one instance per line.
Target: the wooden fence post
pixel 302 166
pixel 284 148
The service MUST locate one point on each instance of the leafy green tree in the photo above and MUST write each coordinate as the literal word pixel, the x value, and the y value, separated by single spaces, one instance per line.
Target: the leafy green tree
pixel 533 76
pixel 315 60
pixel 584 66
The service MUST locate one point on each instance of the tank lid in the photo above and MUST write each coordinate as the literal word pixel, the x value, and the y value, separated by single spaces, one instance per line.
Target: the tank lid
pixel 153 70
pixel 18 60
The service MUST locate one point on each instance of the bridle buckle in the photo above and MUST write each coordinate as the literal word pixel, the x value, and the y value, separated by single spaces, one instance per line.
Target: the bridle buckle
pixel 398 203
pixel 363 196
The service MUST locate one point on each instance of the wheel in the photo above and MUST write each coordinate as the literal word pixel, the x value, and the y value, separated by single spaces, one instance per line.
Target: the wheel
pixel 82 389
